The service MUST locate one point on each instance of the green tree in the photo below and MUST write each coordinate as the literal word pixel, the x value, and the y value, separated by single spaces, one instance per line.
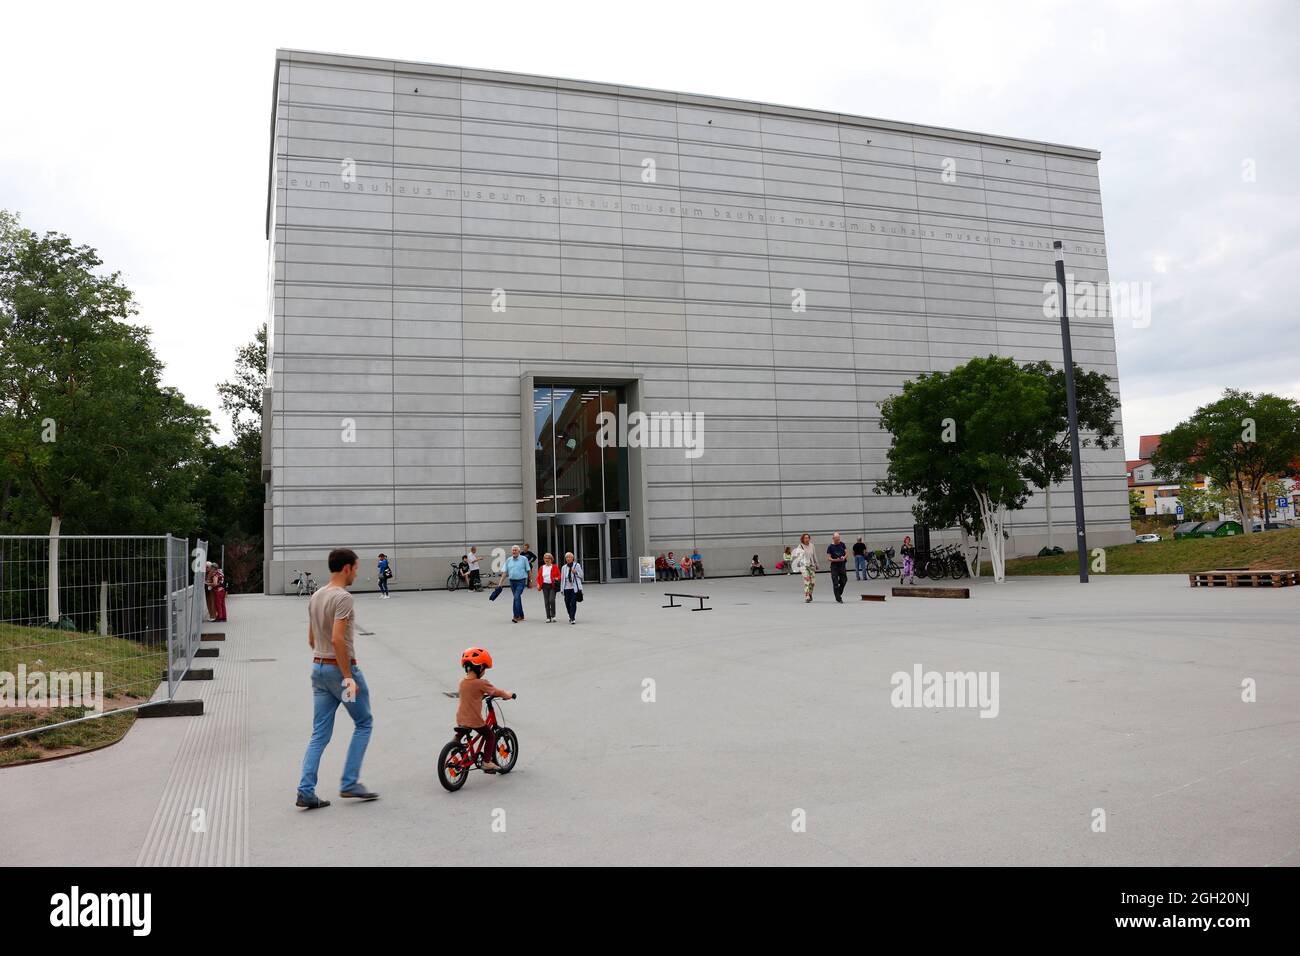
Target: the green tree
pixel 1098 410
pixel 1136 506
pixel 242 396
pixel 1239 442
pixel 233 494
pixel 1196 502
pixel 960 444
pixel 91 441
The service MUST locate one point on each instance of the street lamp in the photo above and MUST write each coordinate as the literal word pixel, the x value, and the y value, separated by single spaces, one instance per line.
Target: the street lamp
pixel 1081 535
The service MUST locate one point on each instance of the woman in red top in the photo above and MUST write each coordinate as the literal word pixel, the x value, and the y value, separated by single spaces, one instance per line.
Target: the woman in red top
pixel 219 594
pixel 548 582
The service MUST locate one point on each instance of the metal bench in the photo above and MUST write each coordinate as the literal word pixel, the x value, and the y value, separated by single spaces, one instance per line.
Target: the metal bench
pixel 670 595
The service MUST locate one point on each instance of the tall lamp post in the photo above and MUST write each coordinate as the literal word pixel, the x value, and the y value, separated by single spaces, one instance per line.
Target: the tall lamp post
pixel 1081 534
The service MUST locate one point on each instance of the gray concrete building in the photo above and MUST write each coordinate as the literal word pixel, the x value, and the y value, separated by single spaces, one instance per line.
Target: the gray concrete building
pixel 468 267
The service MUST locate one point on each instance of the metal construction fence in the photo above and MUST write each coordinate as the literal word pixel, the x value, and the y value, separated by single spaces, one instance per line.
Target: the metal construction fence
pixel 92 625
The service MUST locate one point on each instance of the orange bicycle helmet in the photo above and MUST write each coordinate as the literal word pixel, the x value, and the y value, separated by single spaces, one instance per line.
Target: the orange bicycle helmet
pixel 477 656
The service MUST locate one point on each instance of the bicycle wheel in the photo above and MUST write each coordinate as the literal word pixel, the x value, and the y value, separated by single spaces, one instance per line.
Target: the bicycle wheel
pixel 873 570
pixel 453 581
pixel 959 569
pixel 934 568
pixel 452 766
pixel 507 754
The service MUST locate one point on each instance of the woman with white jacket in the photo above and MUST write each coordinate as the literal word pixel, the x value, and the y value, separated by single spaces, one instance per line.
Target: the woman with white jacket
pixel 571 585
pixel 805 562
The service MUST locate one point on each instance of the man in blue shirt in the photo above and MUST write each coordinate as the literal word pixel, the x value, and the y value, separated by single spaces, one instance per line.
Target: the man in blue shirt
pixel 516 572
pixel 838 555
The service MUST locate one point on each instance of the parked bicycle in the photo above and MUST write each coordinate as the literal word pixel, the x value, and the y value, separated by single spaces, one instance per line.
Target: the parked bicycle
pixel 946 562
pixel 304 583
pixel 881 563
pixel 464 752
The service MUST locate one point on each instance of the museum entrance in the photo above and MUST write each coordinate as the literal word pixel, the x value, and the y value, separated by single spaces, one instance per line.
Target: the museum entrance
pixel 598 542
pixel 582 483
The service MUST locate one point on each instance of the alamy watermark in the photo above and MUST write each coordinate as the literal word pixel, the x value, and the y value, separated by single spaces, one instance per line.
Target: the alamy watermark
pixel 933 689
pixel 1124 301
pixel 683 430
pixel 52 689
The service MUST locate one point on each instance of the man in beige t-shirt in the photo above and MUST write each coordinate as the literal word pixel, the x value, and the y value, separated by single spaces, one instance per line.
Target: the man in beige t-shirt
pixel 335 679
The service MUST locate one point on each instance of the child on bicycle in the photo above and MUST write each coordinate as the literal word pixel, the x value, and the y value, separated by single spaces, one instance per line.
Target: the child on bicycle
pixel 473 688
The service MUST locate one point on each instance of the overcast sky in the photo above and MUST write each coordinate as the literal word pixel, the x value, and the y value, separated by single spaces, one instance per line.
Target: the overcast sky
pixel 142 130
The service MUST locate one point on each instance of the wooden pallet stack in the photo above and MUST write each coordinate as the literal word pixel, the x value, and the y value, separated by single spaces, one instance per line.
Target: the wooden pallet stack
pixel 1244 578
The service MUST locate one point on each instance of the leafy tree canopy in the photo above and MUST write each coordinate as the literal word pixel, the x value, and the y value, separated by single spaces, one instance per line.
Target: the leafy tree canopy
pixel 88 434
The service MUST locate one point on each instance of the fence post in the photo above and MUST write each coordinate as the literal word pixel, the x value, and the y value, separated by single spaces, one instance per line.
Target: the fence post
pixel 53 574
pixel 103 609
pixel 171 623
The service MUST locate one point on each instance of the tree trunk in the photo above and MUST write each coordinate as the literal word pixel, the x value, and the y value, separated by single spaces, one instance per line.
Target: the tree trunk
pixel 993 517
pixel 970 554
pixel 1241 504
pixel 1051 538
pixel 55 521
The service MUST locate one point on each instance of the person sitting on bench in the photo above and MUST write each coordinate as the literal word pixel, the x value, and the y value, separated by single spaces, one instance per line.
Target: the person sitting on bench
pixel 756 566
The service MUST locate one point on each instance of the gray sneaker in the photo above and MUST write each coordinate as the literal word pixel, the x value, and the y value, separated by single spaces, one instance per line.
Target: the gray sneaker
pixel 358 793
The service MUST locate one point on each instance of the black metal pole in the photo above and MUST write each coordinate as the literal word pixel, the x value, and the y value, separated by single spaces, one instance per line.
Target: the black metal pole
pixel 1081 535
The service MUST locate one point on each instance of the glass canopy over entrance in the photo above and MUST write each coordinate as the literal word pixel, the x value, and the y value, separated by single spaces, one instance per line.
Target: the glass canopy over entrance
pixel 582 488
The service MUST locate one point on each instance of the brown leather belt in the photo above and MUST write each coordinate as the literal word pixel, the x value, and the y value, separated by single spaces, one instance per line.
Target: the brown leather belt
pixel 330 660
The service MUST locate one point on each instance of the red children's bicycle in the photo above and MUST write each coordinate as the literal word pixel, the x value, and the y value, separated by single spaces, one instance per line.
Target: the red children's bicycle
pixel 464 752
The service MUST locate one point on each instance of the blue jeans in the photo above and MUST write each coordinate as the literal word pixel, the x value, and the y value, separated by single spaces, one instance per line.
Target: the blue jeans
pixel 517 588
pixel 860 566
pixel 571 604
pixel 327 694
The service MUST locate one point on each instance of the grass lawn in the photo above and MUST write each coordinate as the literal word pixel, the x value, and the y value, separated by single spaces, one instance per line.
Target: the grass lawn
pixel 131 672
pixel 1268 549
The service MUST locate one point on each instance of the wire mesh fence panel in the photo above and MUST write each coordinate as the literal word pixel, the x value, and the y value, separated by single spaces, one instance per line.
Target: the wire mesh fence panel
pixel 91 625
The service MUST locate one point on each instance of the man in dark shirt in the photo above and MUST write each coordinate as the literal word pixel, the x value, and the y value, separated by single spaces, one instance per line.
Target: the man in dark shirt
pixel 838 555
pixel 860 559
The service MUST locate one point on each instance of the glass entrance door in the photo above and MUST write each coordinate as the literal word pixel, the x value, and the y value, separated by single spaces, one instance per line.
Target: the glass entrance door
pixel 589 551
pixel 586 541
pixel 601 546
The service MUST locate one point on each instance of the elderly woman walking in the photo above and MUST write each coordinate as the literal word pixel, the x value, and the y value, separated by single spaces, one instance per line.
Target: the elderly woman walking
pixel 805 562
pixel 571 585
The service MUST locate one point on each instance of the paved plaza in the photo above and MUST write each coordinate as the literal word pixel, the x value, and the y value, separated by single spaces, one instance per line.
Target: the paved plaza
pixel 1123 695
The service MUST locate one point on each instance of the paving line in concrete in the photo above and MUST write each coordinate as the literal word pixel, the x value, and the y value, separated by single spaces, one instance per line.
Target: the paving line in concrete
pixel 210 773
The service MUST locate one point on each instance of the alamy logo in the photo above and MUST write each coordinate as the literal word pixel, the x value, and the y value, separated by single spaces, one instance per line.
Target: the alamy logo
pixel 654 430
pixel 103 909
pixel 52 689
pixel 933 689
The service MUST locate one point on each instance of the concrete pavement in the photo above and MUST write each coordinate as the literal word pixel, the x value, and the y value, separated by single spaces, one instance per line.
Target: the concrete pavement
pixel 1122 695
